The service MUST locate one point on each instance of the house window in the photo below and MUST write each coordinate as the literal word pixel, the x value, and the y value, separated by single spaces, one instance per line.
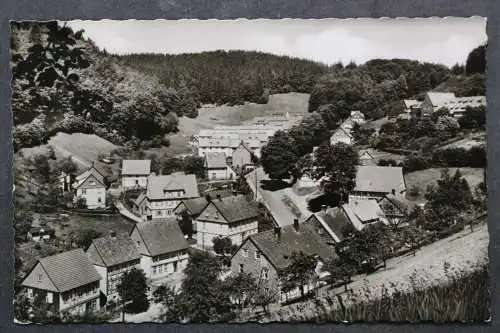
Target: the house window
pixel 320 231
pixel 265 272
pixel 92 182
pixel 241 268
pixel 84 191
pixel 245 253
pixel 158 212
pixel 99 199
pixel 154 270
pixel 39 277
pixel 257 255
pixel 137 182
pixel 49 298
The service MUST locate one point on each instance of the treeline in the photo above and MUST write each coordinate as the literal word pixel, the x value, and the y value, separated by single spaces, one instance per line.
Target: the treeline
pixel 229 77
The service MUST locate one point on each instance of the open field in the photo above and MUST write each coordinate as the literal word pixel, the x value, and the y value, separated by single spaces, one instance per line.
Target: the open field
pixel 213 115
pixel 83 149
pixel 424 178
pixel 472 140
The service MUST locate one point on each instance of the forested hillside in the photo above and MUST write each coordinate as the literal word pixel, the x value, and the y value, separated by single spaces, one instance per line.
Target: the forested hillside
pixel 62 82
pixel 231 77
pixel 377 87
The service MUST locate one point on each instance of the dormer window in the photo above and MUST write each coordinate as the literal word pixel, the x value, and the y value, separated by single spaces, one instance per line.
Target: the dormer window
pixel 39 277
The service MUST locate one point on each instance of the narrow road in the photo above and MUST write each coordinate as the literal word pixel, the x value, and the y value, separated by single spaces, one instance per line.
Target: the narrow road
pixel 125 212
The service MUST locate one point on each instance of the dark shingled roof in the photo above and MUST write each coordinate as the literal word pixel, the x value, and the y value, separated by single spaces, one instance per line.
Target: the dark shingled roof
pixel 114 251
pixel 162 236
pixel 236 208
pixel 196 205
pixel 306 240
pixel 69 270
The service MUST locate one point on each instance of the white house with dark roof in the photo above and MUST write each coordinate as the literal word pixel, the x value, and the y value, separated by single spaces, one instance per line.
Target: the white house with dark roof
pixel 242 156
pixel 162 246
pixel 363 212
pixel 375 182
pixel 165 192
pixel 342 134
pixel 411 105
pixel 68 281
pixel 434 101
pixel 135 173
pixel 91 185
pixel 113 256
pixel 233 217
pixel 216 167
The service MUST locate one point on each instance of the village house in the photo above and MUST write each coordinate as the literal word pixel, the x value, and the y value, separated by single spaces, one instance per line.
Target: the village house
pixel 113 256
pixel 375 182
pixel 396 208
pixel 265 254
pixel 331 223
pixel 162 246
pixel 38 234
pixel 242 156
pixel 135 173
pixel 91 186
pixel 343 135
pixel 216 167
pixel 365 157
pixel 164 193
pixel 358 117
pixel 434 101
pixel 233 217
pixel 67 281
pixel 411 106
pixel 361 213
pixel 192 207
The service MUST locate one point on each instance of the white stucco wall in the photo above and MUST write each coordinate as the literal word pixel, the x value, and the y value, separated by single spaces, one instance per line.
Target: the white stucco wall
pixel 134 181
pixel 92 196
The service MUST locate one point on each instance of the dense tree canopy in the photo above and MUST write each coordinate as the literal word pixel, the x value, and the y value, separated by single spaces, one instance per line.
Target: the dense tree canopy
pixel 279 156
pixel 476 61
pixel 335 166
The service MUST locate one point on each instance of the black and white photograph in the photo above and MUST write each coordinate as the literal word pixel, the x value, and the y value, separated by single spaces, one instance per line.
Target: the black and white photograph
pixel 237 171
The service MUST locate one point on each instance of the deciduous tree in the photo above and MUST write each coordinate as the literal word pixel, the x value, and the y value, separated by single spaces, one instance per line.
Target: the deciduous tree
pixel 133 291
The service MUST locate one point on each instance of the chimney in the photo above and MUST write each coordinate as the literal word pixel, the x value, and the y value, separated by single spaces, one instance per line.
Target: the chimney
pixel 296 224
pixel 323 208
pixel 277 233
pixel 113 234
pixel 393 192
pixel 218 196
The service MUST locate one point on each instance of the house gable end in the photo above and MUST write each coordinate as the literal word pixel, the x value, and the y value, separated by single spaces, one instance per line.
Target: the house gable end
pixel 46 283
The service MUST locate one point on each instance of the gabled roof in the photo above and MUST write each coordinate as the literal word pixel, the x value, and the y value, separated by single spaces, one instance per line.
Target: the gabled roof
pixel 196 205
pixel 136 167
pixel 140 199
pixel 157 185
pixel 236 208
pixel 399 201
pixel 440 98
pixel 91 172
pixel 68 270
pixel 114 250
pixel 361 212
pixel 335 219
pixel 162 236
pixel 278 252
pixel 215 160
pixel 409 103
pixel 365 153
pixel 381 179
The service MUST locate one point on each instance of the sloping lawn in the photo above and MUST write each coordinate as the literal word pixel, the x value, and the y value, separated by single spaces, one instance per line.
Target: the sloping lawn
pixel 421 179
